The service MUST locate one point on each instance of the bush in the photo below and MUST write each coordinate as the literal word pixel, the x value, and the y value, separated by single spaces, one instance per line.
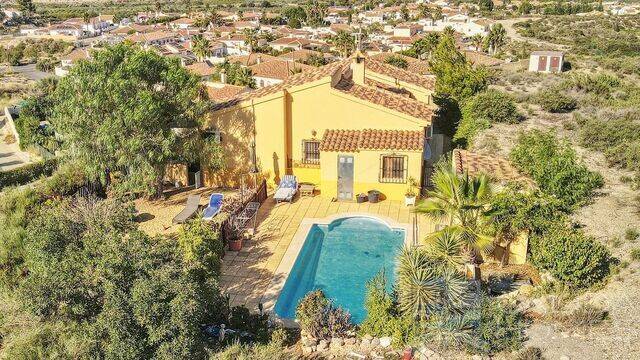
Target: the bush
pixel 631 234
pixel 383 319
pixel 202 244
pixel 554 101
pixel 27 173
pixel 554 165
pixel 571 256
pixel 484 109
pixel 320 319
pixel 529 353
pixel 585 315
pixel 498 327
pixel 635 254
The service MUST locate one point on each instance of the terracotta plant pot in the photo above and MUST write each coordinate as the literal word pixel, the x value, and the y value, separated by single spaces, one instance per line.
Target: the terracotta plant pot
pixel 235 245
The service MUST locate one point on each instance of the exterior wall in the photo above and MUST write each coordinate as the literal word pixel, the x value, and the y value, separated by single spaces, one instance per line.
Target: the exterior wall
pixel 177 173
pixel 517 251
pixel 535 59
pixel 366 172
pixel 284 120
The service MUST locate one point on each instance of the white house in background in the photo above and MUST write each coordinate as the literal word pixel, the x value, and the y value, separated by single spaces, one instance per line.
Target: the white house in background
pixel 11 13
pixel 98 24
pixel 235 45
pixel 370 17
pixel 67 61
pixel 273 72
pixel 406 30
pixel 31 30
pixel 460 23
pixel 181 23
pixel 546 61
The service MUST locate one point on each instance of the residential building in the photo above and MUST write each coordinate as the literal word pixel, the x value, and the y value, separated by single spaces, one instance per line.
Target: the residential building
pixel 67 61
pixel 348 127
pixel 276 71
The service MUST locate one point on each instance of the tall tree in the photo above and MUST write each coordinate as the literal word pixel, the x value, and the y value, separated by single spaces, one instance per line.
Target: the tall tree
pixel 201 46
pixel 316 11
pixel 344 43
pixel 496 38
pixel 251 38
pixel 134 109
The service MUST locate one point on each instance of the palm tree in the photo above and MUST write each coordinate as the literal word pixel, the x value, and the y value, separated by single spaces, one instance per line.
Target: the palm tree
pixel 477 41
pixel 462 202
pixel 251 38
pixel 496 37
pixel 426 286
pixel 344 43
pixel 201 47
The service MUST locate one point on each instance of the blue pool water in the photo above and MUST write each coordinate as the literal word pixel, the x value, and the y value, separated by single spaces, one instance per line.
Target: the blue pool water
pixel 339 259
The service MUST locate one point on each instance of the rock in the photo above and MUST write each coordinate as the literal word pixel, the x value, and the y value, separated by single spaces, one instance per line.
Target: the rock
pixel 375 342
pixel 350 341
pixel 337 342
pixel 355 355
pixel 307 350
pixel 365 344
pixel 368 337
pixel 322 345
pixel 476 357
pixel 385 341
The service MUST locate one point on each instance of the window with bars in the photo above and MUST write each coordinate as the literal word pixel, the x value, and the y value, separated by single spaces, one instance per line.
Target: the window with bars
pixel 393 169
pixel 311 151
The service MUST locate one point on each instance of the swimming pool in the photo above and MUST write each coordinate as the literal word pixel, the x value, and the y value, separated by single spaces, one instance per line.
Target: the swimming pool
pixel 339 258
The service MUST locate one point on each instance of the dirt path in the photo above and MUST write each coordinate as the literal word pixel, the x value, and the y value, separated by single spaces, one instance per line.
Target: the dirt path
pixel 513 33
pixel 11 156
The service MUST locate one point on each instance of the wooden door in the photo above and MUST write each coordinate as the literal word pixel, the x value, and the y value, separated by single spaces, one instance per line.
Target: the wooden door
pixel 542 63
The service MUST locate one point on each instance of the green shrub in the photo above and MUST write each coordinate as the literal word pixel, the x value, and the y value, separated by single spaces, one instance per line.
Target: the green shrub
pixel 554 101
pixel 498 327
pixel 631 234
pixel 635 254
pixel 585 315
pixel 598 84
pixel 554 165
pixel 482 110
pixel 202 244
pixel 529 353
pixel 571 256
pixel 255 352
pixel 320 319
pixel 383 318
pixel 27 173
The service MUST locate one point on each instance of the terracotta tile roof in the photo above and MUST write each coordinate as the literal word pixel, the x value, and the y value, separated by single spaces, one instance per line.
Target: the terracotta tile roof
pixel 220 92
pixel 415 66
pixel 399 74
pixel 251 59
pixel 152 36
pixel 498 168
pixel 202 68
pixel 372 139
pixel 278 69
pixel 398 103
pixel 478 58
pixel 386 87
pixel 294 80
pixel 77 54
pixel 297 55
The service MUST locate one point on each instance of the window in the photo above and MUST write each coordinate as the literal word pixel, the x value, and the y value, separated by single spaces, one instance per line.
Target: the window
pixel 311 151
pixel 393 169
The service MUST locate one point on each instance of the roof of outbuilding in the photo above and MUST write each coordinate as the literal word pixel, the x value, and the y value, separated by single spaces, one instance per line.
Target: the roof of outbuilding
pixel 498 168
pixel 372 139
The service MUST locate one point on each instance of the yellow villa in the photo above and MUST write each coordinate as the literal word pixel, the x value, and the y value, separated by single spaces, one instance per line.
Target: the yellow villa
pixel 348 127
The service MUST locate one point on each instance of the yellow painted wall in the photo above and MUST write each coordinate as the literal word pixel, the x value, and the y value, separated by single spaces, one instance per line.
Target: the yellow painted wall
pixel 283 120
pixel 517 250
pixel 366 170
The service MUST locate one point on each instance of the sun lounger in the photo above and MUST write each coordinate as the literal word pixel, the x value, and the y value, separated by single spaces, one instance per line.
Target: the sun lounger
pixel 193 202
pixel 215 204
pixel 287 188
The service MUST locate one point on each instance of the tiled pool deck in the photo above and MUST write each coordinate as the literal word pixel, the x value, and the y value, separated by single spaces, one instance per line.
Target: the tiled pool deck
pixel 247 274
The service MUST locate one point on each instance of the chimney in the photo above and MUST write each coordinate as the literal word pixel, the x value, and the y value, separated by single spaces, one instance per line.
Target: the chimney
pixel 223 76
pixel 357 68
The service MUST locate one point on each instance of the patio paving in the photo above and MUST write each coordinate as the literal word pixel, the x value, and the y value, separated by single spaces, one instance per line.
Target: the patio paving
pixel 247 274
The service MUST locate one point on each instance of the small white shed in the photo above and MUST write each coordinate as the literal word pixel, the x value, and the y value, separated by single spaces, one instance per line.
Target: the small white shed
pixel 546 61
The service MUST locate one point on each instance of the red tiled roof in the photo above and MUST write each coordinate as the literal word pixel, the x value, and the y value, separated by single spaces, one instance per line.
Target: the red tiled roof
pixel 372 139
pixel 497 168
pixel 294 80
pixel 399 74
pixel 414 108
pixel 202 68
pixel 224 91
pixel 415 66
pixel 251 59
pixel 278 69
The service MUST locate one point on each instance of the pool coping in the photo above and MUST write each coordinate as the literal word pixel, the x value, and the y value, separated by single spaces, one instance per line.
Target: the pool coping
pixel 281 274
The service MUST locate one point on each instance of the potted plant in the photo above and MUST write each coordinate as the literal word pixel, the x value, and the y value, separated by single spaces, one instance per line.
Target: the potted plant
pixel 411 193
pixel 235 243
